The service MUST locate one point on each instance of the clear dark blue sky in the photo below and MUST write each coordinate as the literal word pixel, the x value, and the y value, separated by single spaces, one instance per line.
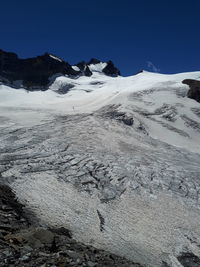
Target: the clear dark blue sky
pixel 129 32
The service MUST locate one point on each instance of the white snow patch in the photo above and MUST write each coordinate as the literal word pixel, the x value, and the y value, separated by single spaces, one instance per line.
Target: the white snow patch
pixel 56 58
pixel 75 68
pixel 97 67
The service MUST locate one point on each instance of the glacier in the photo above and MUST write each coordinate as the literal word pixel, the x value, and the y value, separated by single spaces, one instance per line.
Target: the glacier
pixel 115 159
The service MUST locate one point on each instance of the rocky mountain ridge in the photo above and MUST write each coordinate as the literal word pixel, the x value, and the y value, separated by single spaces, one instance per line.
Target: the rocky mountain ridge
pixel 39 72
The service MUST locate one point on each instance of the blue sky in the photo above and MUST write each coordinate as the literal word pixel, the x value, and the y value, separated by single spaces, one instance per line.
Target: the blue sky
pixel 152 35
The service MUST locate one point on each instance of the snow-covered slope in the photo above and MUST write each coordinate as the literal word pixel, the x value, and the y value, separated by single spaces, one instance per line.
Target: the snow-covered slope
pixel 125 149
pixel 157 101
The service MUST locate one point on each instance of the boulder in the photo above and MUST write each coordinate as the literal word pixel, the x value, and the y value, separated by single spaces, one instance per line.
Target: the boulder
pixel 194 91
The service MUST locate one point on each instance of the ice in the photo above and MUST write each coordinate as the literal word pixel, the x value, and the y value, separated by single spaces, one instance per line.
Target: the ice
pixel 75 68
pixel 70 157
pixel 97 67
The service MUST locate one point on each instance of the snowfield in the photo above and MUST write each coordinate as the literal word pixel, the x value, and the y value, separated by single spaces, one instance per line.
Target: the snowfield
pixel 116 160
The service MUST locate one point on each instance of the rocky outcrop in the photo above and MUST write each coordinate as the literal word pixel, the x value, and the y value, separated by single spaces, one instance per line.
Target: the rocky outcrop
pixel 84 69
pixel 194 91
pixel 111 70
pixel 81 65
pixel 93 61
pixel 87 72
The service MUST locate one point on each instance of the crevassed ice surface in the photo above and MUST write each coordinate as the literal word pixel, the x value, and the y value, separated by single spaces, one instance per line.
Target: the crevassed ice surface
pixel 73 159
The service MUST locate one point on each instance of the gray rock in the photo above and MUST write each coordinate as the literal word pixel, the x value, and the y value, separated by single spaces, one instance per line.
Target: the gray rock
pixel 111 70
pixel 44 236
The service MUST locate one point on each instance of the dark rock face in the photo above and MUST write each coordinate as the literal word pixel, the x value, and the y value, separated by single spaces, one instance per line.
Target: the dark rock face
pixel 87 72
pixel 64 89
pixel 84 68
pixel 111 70
pixel 138 72
pixel 24 244
pixel 11 212
pixel 34 72
pixel 81 65
pixel 194 92
pixel 94 61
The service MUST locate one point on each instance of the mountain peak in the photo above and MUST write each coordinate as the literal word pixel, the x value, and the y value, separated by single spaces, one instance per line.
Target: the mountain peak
pixel 93 61
pixel 38 71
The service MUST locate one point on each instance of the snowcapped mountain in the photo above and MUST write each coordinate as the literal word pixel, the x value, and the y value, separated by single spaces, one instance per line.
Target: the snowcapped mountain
pixel 39 72
pixel 115 159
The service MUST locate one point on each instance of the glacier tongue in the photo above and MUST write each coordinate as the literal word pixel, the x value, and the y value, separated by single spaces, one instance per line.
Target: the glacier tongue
pixel 76 160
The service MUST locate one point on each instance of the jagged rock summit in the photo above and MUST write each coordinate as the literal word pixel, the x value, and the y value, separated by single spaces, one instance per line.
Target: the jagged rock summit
pixel 107 68
pixel 39 72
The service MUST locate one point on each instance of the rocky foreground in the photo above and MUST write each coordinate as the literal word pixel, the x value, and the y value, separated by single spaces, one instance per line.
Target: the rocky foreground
pixel 25 244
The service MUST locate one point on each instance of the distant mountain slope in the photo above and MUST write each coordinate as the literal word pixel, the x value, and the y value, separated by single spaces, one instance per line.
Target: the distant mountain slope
pixel 37 73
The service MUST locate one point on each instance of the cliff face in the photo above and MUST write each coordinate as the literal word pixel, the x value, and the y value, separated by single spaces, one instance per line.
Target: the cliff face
pixel 194 92
pixel 33 72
